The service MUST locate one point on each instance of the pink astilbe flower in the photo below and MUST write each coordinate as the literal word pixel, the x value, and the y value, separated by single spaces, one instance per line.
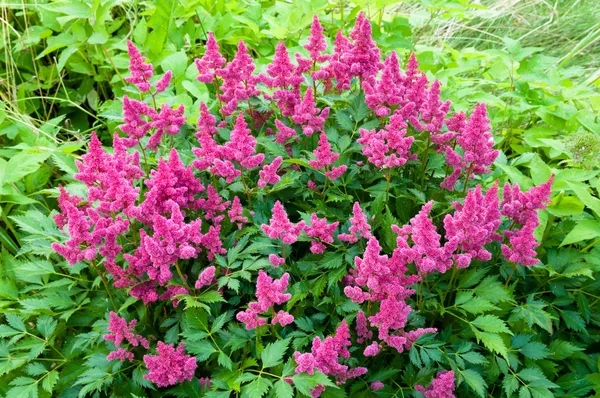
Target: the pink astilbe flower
pixel 284 77
pixel 206 277
pixel 284 132
pixel 426 252
pixel 372 349
pixel 316 42
pixel 387 282
pixel 362 328
pixel 321 232
pixel 308 116
pixel 325 157
pixel 236 213
pixel 363 57
pixel 145 291
pixel 121 354
pixel 213 205
pixel 324 356
pixel 389 147
pixel 170 366
pixel 109 177
pixel 377 385
pixel 275 260
pixel 172 239
pixel 164 82
pixel 168 121
pixel 211 62
pixel 442 386
pixel 359 226
pixel 474 224
pixel 476 142
pixel 171 181
pixel 280 226
pixel 120 331
pixel 171 292
pixel 137 118
pixel 336 172
pixel 268 292
pixel 207 123
pixel 433 111
pixel 238 82
pixel 282 318
pixel 522 209
pixel 141 73
pixel 268 175
pixel 241 147
pixel 388 91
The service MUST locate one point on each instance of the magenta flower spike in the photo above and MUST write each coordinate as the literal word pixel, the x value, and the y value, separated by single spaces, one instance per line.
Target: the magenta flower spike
pixel 170 366
pixel 141 72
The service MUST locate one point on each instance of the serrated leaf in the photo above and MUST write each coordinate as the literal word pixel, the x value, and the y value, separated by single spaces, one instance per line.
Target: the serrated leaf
pixel 563 349
pixel 344 121
pixel 535 350
pixel 46 325
pixel 474 358
pixel 258 387
pixel 473 304
pixel 510 384
pixel 224 360
pixel 574 321
pixel 491 323
pixel 15 321
pixel 475 381
pixel 273 353
pixel 50 381
pixel 210 297
pixel 283 389
pixel 493 342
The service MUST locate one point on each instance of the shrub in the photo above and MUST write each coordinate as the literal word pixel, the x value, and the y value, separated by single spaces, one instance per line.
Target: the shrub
pixel 263 209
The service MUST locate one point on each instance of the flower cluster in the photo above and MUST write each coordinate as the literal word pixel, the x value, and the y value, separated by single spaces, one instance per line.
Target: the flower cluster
pixel 442 386
pixel 170 365
pixel 121 331
pixel 269 292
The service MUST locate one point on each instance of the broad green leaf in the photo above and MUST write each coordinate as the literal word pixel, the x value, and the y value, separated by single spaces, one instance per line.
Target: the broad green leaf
pixel 583 230
pixel 283 389
pixel 493 342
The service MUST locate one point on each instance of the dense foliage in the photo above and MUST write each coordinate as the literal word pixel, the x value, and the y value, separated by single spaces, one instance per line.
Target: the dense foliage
pixel 267 224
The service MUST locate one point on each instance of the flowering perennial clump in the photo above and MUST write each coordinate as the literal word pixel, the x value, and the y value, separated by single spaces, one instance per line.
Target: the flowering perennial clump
pixel 179 229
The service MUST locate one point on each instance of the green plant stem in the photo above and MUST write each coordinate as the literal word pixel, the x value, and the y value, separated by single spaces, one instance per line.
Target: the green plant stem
pixel 514 268
pixel 469 171
pixel 181 275
pixel 112 301
pixel 424 161
pixel 388 177
pixel 450 283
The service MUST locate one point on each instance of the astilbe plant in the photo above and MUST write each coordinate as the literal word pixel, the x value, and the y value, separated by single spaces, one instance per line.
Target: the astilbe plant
pixel 164 224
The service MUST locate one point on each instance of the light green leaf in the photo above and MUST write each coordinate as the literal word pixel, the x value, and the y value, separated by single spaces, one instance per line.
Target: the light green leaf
pixel 283 389
pixel 475 381
pixel 258 387
pixel 493 342
pixel 491 323
pixel 273 353
pixel 583 230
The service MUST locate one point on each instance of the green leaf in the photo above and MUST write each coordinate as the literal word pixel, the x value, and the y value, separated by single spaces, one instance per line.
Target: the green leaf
pixel 493 342
pixel 536 378
pixel 583 230
pixel 224 360
pixel 533 313
pixel 305 382
pixel 50 381
pixel 491 323
pixel 273 353
pixel 510 384
pixel 283 389
pixel 475 381
pixel 574 321
pixel 492 290
pixel 344 121
pixel 474 305
pixel 210 297
pixel 176 63
pixel 15 322
pixel 563 349
pixel 535 350
pixel 258 387
pixel 46 325
pixel 474 358
pixel 22 164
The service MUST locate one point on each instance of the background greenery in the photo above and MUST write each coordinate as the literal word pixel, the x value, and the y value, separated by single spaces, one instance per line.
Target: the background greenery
pixel 535 63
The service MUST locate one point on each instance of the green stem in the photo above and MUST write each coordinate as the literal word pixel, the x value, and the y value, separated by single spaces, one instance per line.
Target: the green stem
pixel 112 301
